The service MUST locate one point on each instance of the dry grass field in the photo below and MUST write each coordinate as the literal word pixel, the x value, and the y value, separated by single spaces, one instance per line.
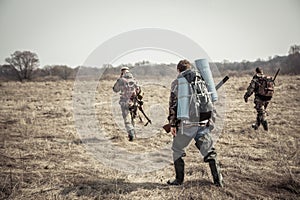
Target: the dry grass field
pixel 43 157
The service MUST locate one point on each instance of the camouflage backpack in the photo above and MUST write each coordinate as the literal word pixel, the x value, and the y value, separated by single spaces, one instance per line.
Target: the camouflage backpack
pixel 130 87
pixel 265 87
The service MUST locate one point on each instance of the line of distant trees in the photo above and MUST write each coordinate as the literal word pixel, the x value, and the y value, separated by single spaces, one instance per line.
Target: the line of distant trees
pixel 24 65
pixel 288 64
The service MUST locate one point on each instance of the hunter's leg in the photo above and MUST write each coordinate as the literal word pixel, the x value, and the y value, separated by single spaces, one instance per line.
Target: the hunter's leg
pixel 264 116
pixel 127 121
pixel 180 142
pixel 259 106
pixel 204 143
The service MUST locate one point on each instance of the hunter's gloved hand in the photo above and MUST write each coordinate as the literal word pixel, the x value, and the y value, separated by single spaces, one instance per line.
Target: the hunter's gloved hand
pixel 246 98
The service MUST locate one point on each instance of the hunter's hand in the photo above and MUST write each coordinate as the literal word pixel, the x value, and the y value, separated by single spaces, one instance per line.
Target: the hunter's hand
pixel 173 131
pixel 245 98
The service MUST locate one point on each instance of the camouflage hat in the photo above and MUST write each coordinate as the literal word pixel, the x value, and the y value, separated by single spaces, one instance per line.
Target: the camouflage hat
pixel 259 70
pixel 124 68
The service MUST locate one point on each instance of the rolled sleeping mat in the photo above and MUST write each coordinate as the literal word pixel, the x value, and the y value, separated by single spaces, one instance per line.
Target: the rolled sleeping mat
pixel 183 104
pixel 204 69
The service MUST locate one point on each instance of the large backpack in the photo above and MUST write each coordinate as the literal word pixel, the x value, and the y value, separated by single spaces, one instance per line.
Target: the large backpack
pixel 200 103
pixel 265 87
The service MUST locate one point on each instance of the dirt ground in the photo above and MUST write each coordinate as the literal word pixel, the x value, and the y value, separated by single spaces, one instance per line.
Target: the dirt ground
pixel 42 155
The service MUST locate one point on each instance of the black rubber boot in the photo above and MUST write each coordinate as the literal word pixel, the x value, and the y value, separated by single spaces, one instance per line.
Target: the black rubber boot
pixel 179 170
pixel 131 135
pixel 265 125
pixel 254 126
pixel 257 124
pixel 215 172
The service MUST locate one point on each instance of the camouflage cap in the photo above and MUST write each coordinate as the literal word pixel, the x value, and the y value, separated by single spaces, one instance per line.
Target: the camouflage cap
pixel 259 70
pixel 124 68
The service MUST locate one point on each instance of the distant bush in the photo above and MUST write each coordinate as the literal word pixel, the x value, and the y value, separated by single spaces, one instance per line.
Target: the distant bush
pixel 288 64
pixel 47 78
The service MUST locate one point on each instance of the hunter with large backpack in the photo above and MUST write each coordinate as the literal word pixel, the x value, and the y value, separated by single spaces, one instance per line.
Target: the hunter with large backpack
pixel 263 88
pixel 190 117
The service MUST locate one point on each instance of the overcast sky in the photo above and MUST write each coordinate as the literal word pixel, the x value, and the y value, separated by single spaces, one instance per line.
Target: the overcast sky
pixel 66 32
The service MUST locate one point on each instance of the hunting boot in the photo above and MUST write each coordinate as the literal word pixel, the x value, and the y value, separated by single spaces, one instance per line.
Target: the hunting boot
pixel 216 173
pixel 254 126
pixel 265 125
pixel 257 124
pixel 179 170
pixel 131 135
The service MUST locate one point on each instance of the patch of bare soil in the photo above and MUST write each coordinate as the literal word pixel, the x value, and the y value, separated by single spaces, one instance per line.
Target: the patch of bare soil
pixel 43 157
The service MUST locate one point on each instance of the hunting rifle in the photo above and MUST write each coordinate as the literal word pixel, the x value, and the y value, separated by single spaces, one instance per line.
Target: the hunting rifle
pixel 167 127
pixel 133 111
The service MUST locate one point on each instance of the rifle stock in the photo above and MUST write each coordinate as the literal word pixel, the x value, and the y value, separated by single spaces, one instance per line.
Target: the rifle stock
pixel 167 127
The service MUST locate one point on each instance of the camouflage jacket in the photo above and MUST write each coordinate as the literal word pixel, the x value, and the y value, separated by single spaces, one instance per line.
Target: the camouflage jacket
pixel 253 86
pixel 173 104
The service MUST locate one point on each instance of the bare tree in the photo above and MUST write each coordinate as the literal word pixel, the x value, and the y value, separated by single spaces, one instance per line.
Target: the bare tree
pixel 294 49
pixel 23 63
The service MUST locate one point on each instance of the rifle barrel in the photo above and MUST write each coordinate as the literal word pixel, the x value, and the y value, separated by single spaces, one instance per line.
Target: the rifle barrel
pixel 276 74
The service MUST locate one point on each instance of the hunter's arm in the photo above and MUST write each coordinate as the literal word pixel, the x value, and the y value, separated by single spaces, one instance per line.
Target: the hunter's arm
pixel 173 105
pixel 250 88
pixel 117 86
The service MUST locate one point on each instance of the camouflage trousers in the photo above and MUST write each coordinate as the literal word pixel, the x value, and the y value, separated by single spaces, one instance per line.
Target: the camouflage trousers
pixel 126 116
pixel 202 137
pixel 260 107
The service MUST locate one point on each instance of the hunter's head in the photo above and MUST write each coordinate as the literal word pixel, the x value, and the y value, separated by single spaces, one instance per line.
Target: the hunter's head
pixel 124 70
pixel 259 70
pixel 183 65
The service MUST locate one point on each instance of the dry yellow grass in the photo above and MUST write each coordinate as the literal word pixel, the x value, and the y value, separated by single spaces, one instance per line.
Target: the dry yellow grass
pixel 42 156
